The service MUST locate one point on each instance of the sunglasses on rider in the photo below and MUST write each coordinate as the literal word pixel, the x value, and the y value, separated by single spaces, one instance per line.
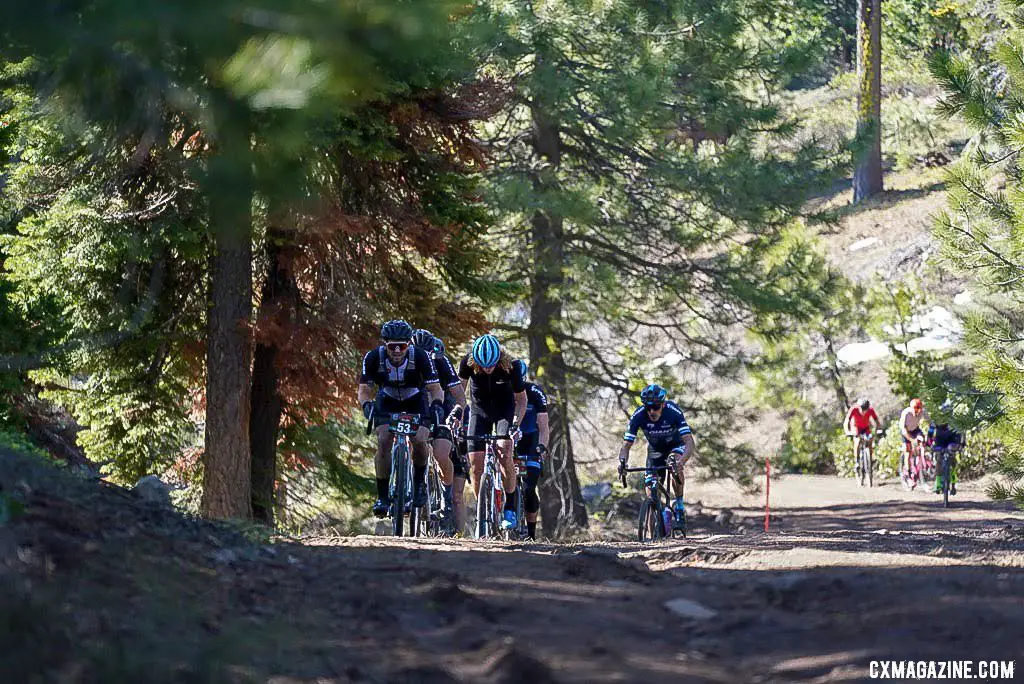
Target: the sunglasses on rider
pixel 396 346
pixel 654 407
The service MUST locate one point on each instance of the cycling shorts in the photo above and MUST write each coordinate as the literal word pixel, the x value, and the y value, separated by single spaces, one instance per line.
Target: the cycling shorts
pixel 481 424
pixel 387 405
pixel 527 446
pixel 460 463
pixel 444 432
pixel 914 434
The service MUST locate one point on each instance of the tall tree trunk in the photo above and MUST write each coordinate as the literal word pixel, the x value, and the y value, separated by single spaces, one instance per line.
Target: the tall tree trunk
pixel 278 304
pixel 229 345
pixel 562 506
pixel 834 373
pixel 867 177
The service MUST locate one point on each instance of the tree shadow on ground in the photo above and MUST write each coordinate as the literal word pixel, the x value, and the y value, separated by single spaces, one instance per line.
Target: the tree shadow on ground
pixel 885 200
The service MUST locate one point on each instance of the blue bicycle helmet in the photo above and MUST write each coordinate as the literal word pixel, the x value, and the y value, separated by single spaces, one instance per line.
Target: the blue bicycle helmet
pixel 397 330
pixel 487 351
pixel 522 368
pixel 438 346
pixel 653 394
pixel 424 339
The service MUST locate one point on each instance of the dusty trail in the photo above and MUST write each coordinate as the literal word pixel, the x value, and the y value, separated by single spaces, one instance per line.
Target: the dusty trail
pixel 97 586
pixel 849 577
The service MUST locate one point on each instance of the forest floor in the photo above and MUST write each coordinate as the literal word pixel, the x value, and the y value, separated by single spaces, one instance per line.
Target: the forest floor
pixel 99 586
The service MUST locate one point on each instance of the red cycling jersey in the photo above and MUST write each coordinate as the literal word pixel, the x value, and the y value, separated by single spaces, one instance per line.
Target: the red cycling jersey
pixel 862 419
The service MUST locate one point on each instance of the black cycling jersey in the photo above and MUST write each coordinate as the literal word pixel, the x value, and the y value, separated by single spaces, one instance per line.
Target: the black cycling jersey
pixel 493 393
pixel 400 382
pixel 448 378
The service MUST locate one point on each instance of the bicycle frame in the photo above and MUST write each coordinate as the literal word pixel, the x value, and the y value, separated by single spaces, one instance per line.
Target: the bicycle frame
pixel 916 465
pixel 402 426
pixel 864 467
pixel 946 459
pixel 491 500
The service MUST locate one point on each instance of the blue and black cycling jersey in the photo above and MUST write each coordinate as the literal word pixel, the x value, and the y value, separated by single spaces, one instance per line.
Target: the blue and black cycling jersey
pixel 536 403
pixel 663 434
pixel 401 382
pixel 944 436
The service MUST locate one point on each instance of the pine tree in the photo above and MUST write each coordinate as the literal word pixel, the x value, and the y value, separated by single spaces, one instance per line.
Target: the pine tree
pixel 980 234
pixel 638 194
pixel 232 90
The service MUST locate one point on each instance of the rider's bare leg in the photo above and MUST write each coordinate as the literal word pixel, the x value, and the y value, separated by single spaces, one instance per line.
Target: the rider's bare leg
pixel 508 468
pixel 476 460
pixel 442 454
pixel 382 462
pixel 459 503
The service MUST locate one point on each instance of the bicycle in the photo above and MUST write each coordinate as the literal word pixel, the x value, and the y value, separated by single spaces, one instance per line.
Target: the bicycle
pixel 946 459
pixel 400 487
pixel 491 501
pixel 432 516
pixel 918 467
pixel 652 521
pixel 864 467
pixel 520 532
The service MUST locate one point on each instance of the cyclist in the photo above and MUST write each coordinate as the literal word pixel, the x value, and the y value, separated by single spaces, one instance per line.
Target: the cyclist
pixel 667 434
pixel 858 425
pixel 406 378
pixel 497 403
pixel 454 405
pixel 942 436
pixel 910 429
pixel 533 445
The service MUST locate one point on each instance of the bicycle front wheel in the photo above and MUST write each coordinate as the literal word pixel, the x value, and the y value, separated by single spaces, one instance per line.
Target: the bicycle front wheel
pixel 947 472
pixel 651 525
pixel 400 488
pixel 484 504
pixel 434 502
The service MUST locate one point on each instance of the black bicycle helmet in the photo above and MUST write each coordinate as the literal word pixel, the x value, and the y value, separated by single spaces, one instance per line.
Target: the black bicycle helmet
pixel 653 394
pixel 397 330
pixel 865 404
pixel 424 339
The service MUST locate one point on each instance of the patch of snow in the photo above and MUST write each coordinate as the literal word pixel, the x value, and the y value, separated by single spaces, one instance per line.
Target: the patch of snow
pixel 670 359
pixel 690 609
pixel 963 298
pixel 862 244
pixel 928 344
pixel 938 329
pixel 861 352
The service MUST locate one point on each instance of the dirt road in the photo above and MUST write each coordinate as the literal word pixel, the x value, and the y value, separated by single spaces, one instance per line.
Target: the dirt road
pixel 847 576
pixel 97 587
